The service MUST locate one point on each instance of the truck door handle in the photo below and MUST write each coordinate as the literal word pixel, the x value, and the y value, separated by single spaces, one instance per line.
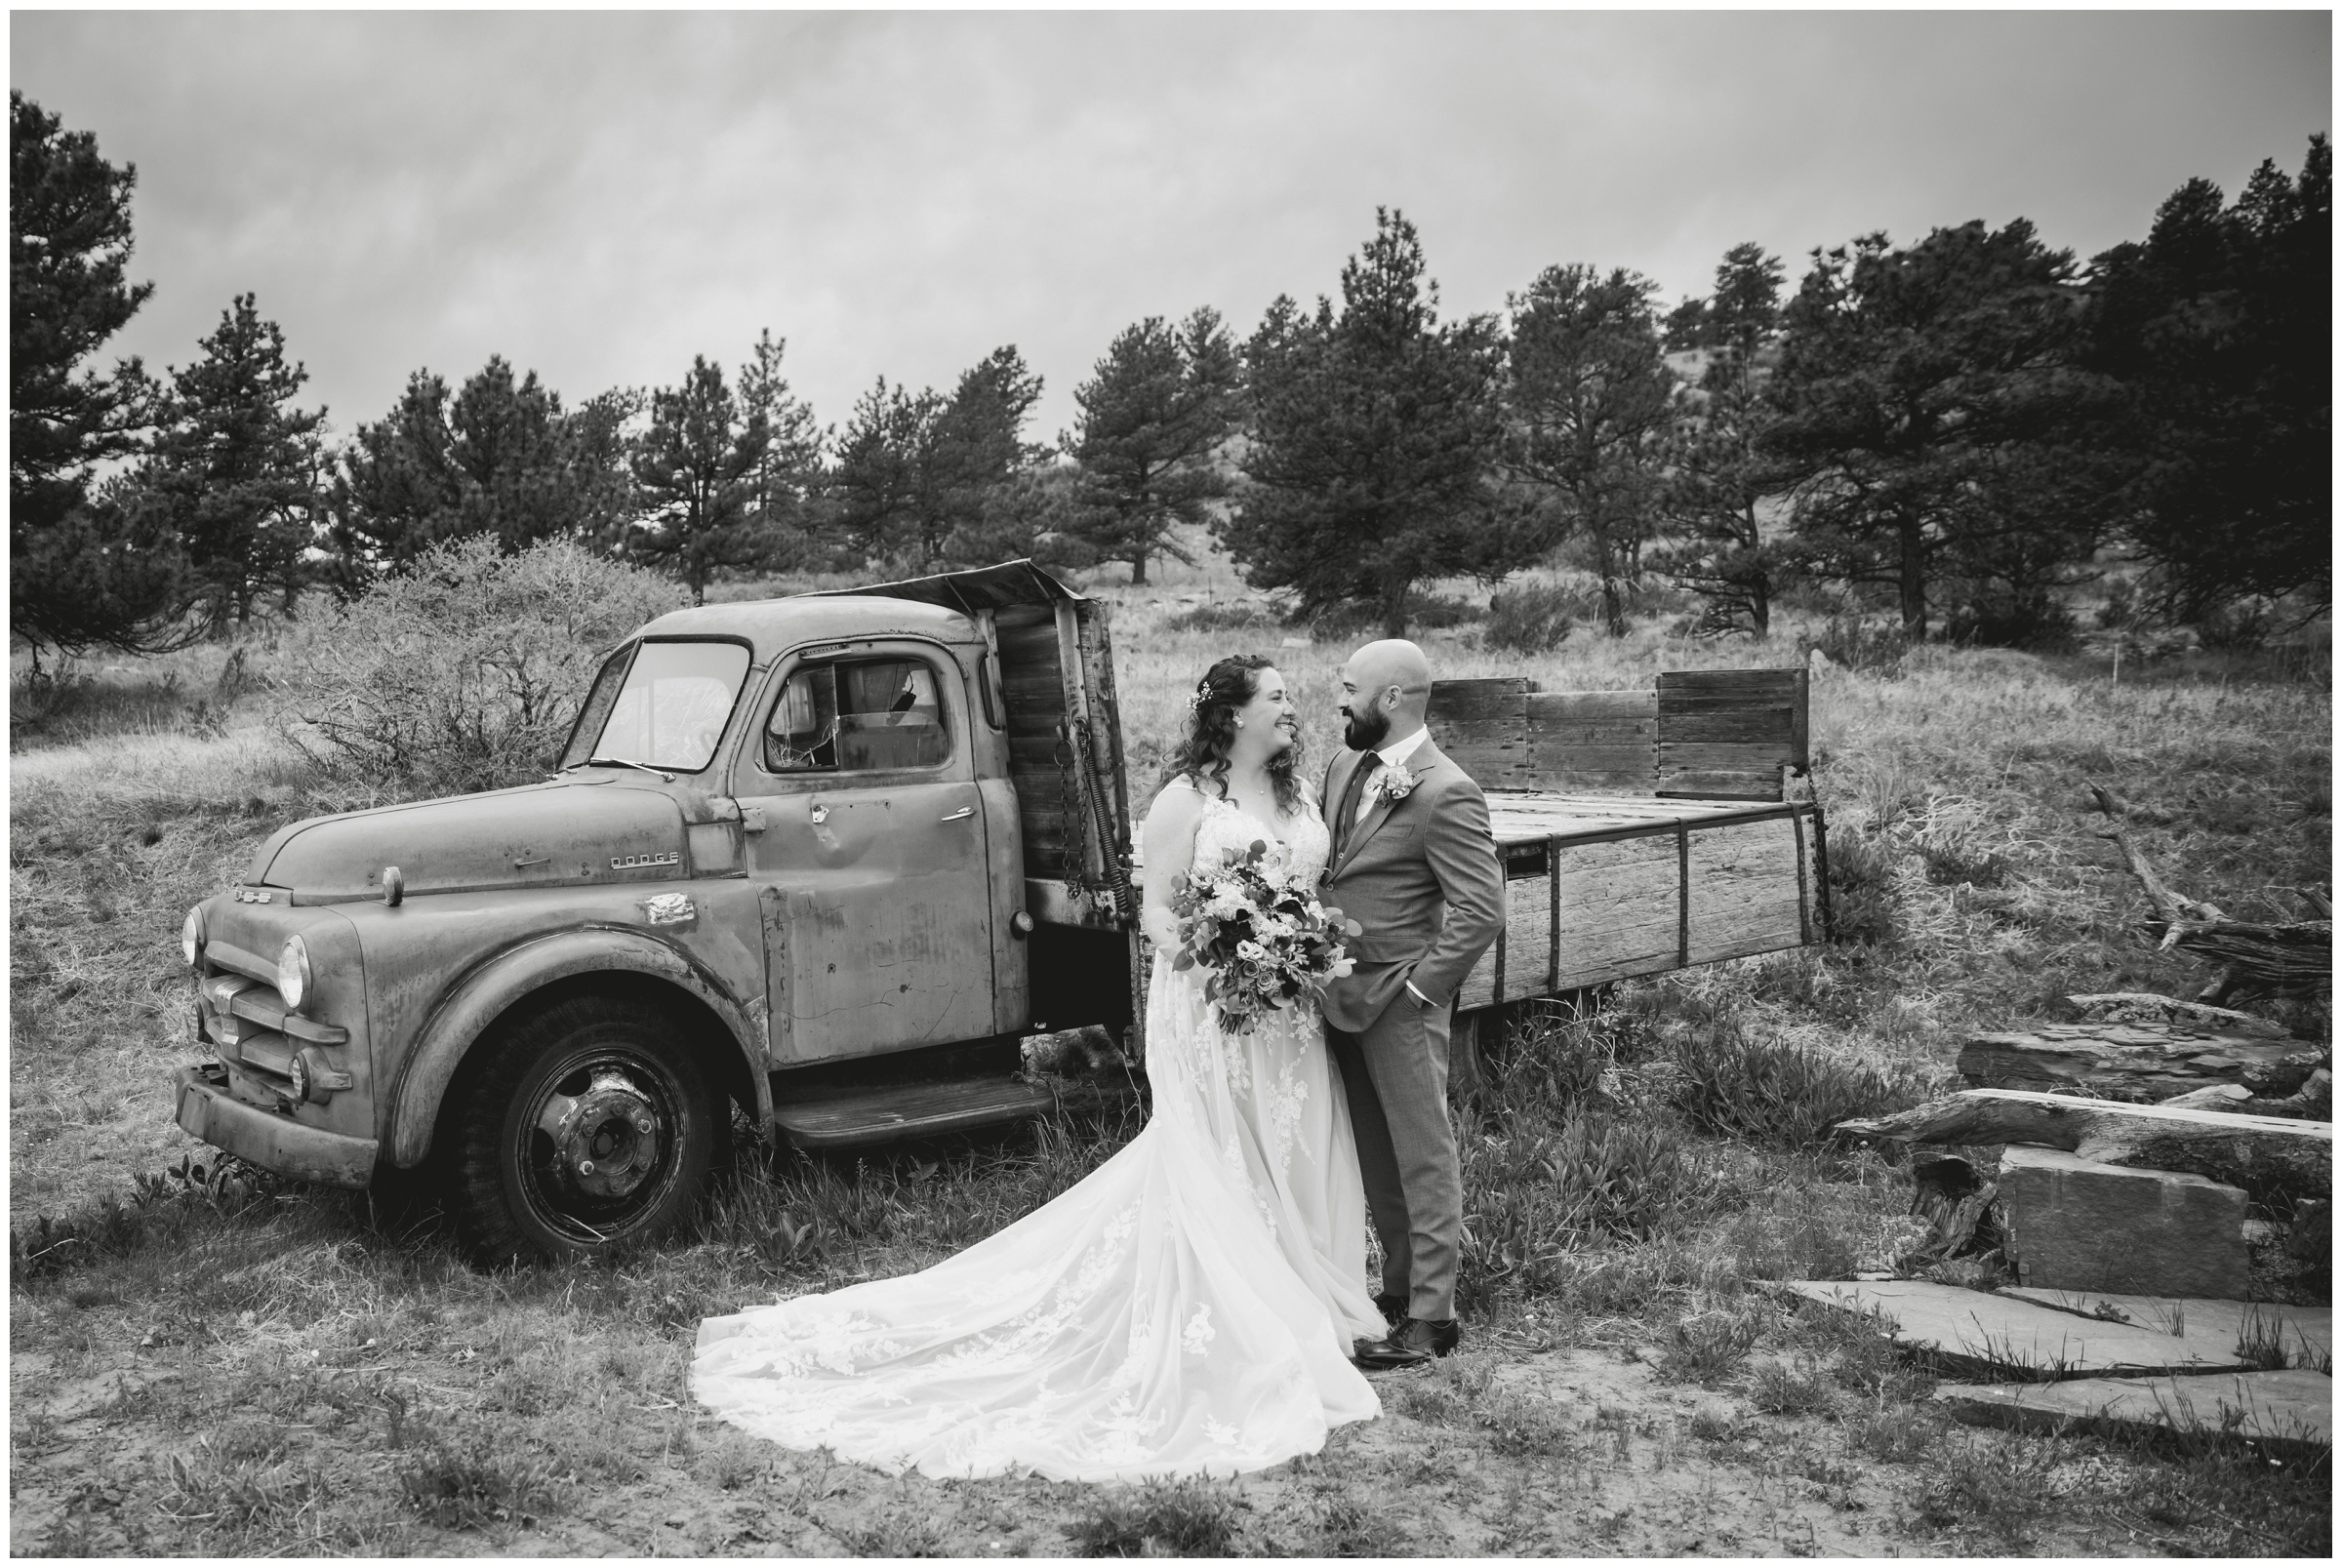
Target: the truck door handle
pixel 963 813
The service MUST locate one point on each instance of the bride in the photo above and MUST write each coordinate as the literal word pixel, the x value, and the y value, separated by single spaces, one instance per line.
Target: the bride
pixel 1186 1309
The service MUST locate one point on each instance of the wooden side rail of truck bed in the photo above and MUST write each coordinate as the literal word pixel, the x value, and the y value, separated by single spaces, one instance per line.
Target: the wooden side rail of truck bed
pixel 1640 831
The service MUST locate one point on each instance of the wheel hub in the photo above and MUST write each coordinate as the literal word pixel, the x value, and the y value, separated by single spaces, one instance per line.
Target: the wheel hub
pixel 606 1140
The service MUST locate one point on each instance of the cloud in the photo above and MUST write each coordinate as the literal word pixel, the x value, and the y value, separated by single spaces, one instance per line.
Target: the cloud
pixel 600 196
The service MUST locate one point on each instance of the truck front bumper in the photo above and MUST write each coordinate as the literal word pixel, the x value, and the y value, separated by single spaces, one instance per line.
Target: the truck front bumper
pixel 271 1142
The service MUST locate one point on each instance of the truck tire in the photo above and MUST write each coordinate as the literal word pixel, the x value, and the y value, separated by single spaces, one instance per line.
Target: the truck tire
pixel 590 1126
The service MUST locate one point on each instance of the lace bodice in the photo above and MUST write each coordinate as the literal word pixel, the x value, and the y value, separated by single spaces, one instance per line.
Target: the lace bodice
pixel 1299 845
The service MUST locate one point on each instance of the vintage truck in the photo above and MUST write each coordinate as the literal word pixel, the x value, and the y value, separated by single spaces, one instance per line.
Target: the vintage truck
pixel 830 860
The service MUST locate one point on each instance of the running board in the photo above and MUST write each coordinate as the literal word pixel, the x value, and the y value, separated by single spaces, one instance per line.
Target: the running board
pixel 839 1118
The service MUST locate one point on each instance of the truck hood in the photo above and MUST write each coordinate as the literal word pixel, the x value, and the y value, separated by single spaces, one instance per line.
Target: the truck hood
pixel 561 835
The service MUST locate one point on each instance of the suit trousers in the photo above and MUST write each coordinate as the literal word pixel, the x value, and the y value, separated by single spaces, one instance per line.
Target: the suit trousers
pixel 1394 1076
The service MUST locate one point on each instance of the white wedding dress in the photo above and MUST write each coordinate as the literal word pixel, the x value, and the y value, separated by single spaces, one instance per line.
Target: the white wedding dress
pixel 1186 1309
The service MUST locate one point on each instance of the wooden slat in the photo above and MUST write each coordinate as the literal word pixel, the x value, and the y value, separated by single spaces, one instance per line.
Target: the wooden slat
pixel 1593 740
pixel 1483 728
pixel 1744 891
pixel 1495 697
pixel 1730 731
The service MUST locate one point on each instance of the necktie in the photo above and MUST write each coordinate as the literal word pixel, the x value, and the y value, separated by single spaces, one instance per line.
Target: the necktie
pixel 1349 815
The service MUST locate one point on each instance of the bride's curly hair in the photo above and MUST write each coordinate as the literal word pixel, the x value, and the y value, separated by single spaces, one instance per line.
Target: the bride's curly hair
pixel 1202 749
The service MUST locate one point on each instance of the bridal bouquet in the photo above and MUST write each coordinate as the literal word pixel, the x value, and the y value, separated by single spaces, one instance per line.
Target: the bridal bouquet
pixel 1267 944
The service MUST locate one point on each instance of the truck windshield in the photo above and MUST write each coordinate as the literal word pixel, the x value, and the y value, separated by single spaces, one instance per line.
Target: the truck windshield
pixel 664 707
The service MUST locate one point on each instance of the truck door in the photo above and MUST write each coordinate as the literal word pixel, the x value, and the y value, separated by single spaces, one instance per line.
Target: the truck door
pixel 871 860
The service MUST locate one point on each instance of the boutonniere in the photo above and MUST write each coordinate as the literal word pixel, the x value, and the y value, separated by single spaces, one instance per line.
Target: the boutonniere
pixel 1392 784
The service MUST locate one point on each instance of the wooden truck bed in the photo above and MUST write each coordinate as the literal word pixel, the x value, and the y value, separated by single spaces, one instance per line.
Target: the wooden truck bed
pixel 1601 887
pixel 1640 831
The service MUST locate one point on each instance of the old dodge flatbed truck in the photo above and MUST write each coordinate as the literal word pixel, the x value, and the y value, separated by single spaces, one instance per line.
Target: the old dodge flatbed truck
pixel 830 859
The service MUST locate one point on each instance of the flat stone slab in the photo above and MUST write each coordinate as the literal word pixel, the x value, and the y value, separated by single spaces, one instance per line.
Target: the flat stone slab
pixel 2291 1412
pixel 2212 1326
pixel 1976 1333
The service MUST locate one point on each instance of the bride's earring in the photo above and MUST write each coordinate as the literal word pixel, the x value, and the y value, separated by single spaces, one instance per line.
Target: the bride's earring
pixel 1240 724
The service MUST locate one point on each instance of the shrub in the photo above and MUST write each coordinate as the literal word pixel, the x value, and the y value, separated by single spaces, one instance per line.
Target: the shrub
pixel 1773 1091
pixel 1531 617
pixel 1707 1345
pixel 460 1483
pixel 1795 1387
pixel 1191 1518
pixel 1532 1200
pixel 1426 612
pixel 1861 888
pixel 1223 615
pixel 1856 643
pixel 464 671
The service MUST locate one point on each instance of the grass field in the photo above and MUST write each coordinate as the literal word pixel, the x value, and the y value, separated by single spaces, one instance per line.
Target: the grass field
pixel 207 1362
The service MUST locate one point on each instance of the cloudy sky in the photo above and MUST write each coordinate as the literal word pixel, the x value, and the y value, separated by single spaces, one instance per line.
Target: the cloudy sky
pixel 599 197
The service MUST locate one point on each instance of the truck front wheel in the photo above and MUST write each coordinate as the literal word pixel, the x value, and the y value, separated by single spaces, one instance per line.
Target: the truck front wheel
pixel 590 1125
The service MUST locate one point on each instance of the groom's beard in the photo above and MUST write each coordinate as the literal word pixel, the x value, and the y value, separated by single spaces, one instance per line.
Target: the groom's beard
pixel 1365 734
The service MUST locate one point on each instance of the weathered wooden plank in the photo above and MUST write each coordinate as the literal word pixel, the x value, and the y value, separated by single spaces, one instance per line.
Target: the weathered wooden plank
pixel 1730 686
pixel 1528 936
pixel 1593 740
pixel 1482 728
pixel 1744 891
pixel 2265 1153
pixel 1495 697
pixel 1716 784
pixel 1738 726
pixel 1729 732
pixel 2147 1062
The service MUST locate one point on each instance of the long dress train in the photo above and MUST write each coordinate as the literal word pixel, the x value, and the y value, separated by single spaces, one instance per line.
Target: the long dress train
pixel 1186 1309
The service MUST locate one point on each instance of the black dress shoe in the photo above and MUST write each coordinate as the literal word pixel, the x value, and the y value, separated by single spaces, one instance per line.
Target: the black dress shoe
pixel 1410 1344
pixel 1394 1308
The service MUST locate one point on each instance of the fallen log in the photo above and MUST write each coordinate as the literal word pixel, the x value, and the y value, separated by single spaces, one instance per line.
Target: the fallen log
pixel 2147 1006
pixel 1958 1206
pixel 2143 1062
pixel 2256 958
pixel 2267 1156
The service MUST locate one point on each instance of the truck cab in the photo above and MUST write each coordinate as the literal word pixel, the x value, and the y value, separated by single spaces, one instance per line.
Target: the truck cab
pixel 819 862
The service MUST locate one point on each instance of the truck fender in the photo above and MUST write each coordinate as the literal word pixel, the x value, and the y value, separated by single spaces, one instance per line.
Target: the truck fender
pixel 484 995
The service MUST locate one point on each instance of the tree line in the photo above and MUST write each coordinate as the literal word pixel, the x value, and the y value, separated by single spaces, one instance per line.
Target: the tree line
pixel 1962 429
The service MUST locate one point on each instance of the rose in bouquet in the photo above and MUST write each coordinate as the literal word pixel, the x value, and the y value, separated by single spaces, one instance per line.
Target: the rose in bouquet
pixel 1265 943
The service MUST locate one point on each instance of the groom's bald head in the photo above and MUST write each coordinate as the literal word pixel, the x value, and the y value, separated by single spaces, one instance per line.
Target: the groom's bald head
pixel 1386 688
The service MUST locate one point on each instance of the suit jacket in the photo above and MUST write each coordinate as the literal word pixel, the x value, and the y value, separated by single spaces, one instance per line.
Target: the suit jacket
pixel 1421 877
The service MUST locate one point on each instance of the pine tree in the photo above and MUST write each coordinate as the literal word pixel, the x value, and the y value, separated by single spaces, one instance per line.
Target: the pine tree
pixel 1593 407
pixel 787 475
pixel 82 572
pixel 505 459
pixel 1375 433
pixel 1932 420
pixel 1154 414
pixel 694 473
pixel 1720 487
pixel 2220 327
pixel 235 470
pixel 877 488
pixel 977 447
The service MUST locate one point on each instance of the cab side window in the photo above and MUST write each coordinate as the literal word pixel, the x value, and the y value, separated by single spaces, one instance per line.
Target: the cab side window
pixel 858 717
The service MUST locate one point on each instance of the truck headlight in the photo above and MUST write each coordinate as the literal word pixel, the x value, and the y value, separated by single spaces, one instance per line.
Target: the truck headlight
pixel 190 935
pixel 293 977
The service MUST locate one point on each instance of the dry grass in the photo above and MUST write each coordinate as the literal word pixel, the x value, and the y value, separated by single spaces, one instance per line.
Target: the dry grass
pixel 229 1366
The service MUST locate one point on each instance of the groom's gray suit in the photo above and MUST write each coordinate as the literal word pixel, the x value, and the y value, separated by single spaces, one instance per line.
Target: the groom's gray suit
pixel 1420 875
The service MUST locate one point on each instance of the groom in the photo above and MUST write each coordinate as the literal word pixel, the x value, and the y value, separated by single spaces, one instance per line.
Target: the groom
pixel 1414 865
